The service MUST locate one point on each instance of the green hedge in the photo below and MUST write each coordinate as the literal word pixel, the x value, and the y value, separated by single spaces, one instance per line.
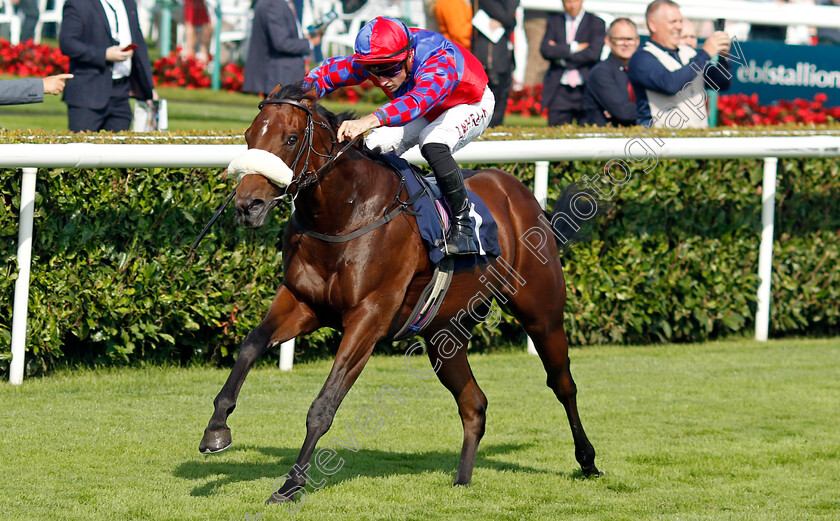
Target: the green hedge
pixel 674 260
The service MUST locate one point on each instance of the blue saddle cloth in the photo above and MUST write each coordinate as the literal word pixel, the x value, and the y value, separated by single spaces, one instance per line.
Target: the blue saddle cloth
pixel 434 219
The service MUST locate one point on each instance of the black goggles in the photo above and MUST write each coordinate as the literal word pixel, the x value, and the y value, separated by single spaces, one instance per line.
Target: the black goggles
pixel 385 70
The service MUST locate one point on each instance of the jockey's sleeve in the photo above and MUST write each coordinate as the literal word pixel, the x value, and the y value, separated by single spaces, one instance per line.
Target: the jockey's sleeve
pixel 340 71
pixel 434 80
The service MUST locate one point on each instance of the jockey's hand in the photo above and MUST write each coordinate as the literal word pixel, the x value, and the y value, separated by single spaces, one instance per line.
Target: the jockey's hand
pixel 356 127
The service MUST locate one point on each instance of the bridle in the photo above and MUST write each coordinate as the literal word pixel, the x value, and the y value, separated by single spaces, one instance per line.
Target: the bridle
pixel 304 179
pixel 301 180
pixel 307 177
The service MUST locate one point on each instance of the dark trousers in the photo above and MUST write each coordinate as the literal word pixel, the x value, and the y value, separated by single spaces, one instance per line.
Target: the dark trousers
pixel 563 117
pixel 567 106
pixel 115 116
pixel 30 11
pixel 500 85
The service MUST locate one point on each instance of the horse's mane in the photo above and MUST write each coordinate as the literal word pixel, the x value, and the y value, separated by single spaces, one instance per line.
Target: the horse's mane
pixel 296 93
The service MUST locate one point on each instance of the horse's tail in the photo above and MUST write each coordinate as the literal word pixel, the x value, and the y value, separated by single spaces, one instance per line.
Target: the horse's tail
pixel 574 213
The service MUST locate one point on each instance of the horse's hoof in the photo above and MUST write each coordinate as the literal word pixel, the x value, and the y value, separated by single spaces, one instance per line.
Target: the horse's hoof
pixel 277 497
pixel 592 472
pixel 215 441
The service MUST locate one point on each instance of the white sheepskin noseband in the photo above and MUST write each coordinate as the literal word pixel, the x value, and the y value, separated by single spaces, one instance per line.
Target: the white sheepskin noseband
pixel 262 162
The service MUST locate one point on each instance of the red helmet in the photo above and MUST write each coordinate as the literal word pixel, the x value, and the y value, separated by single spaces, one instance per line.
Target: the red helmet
pixel 383 40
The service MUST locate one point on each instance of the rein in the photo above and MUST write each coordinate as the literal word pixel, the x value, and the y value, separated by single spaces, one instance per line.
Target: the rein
pixel 301 180
pixel 308 178
pixel 398 205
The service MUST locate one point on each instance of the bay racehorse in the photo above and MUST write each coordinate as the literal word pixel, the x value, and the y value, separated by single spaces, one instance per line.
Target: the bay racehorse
pixel 367 286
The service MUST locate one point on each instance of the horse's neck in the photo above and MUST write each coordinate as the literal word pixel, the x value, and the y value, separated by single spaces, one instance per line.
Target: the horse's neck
pixel 349 196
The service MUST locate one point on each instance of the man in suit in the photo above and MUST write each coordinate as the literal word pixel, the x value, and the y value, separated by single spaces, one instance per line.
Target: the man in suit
pixel 497 58
pixel 109 60
pixel 608 97
pixel 31 90
pixel 572 44
pixel 278 48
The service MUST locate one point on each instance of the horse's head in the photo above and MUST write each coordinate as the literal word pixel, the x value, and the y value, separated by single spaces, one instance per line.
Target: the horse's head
pixel 290 139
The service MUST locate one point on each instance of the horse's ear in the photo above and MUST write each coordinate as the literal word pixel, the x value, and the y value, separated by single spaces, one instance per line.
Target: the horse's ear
pixel 310 97
pixel 274 91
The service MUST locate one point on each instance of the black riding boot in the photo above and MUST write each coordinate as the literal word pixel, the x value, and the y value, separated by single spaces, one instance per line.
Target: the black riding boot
pixel 448 175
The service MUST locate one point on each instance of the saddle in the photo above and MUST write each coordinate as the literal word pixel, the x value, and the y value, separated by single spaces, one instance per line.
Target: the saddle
pixel 433 220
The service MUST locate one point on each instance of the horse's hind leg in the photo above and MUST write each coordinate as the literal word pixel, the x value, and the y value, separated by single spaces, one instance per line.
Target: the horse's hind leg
pixel 286 319
pixel 455 374
pixel 543 321
pixel 552 345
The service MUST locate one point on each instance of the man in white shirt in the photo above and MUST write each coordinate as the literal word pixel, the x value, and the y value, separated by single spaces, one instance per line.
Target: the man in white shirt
pixel 109 59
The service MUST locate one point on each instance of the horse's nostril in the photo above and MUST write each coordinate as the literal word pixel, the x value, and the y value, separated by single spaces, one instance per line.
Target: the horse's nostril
pixel 256 203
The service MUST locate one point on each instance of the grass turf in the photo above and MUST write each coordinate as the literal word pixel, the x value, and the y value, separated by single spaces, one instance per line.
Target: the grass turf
pixel 730 430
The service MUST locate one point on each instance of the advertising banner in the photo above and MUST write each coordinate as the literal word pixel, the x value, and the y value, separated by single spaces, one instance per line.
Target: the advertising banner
pixel 777 71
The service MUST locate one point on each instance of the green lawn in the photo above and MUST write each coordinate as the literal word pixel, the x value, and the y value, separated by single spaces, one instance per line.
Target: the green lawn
pixel 188 110
pixel 728 430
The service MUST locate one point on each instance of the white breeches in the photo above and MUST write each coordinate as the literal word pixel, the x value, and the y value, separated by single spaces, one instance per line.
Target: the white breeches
pixel 455 127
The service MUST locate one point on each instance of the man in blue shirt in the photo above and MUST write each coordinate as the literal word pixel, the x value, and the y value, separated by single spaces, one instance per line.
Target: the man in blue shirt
pixel 608 97
pixel 670 79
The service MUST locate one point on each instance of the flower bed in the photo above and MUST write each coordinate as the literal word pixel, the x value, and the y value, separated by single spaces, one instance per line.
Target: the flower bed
pixel 179 71
pixel 30 59
pixel 744 110
pixel 526 102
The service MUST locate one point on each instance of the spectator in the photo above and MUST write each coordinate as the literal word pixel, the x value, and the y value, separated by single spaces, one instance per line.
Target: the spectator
pixel 109 60
pixel 497 58
pixel 31 13
pixel 572 44
pixel 31 90
pixel 768 33
pixel 608 96
pixel 828 35
pixel 278 49
pixel 197 26
pixel 688 34
pixel 668 79
pixel 454 20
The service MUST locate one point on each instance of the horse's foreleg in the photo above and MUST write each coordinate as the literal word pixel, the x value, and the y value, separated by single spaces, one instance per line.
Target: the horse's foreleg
pixel 455 374
pixel 353 353
pixel 286 319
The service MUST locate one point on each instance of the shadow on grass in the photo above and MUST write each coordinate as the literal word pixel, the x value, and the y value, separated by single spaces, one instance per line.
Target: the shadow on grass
pixel 363 463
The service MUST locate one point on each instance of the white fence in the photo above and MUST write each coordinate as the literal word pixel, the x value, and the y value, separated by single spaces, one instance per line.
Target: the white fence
pixel 599 149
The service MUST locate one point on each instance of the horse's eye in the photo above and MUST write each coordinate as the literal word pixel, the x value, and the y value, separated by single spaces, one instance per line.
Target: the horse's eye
pixel 292 140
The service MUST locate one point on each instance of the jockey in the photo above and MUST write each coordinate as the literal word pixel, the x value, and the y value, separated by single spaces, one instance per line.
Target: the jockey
pixel 439 99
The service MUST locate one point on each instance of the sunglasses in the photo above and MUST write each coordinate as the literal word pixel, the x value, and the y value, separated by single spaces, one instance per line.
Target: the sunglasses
pixel 385 70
